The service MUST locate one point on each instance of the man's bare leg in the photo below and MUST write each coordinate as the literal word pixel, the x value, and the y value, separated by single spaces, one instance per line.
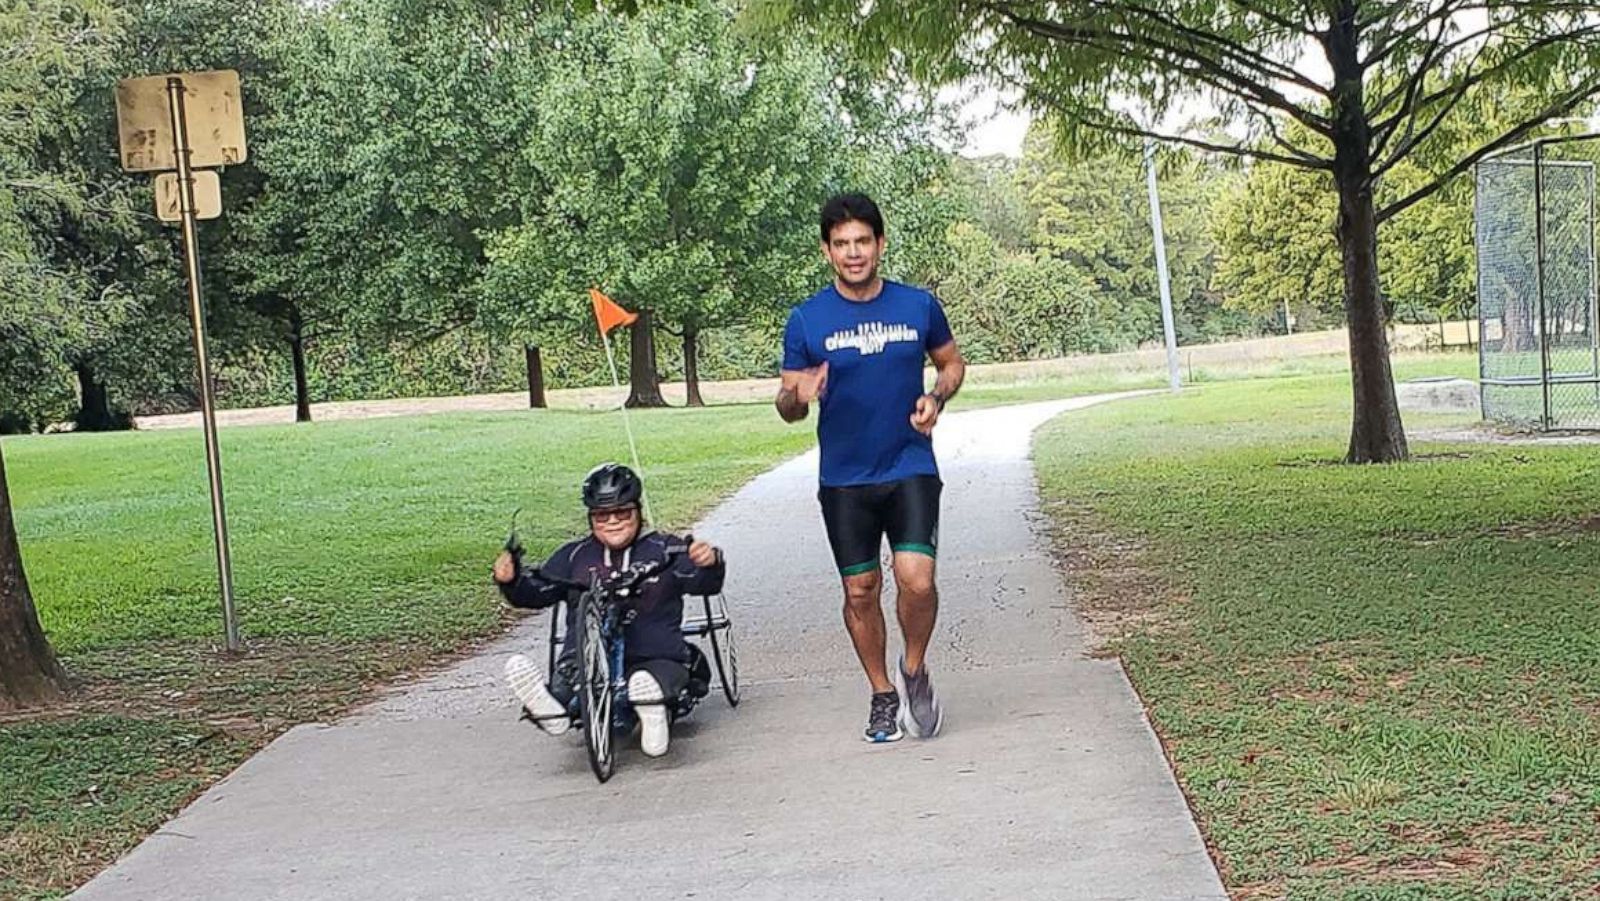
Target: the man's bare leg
pixel 918 606
pixel 916 603
pixel 863 616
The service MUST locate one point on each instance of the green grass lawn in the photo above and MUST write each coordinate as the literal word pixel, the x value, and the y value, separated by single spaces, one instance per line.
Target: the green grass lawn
pixel 1375 682
pixel 354 530
pixel 985 389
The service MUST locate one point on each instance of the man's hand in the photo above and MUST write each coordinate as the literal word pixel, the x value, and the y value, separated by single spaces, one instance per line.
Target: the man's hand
pixel 926 415
pixel 812 383
pixel 702 554
pixel 799 388
pixel 505 568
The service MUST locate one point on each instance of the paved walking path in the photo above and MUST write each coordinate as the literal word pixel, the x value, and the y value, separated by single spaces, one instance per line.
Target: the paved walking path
pixel 1048 782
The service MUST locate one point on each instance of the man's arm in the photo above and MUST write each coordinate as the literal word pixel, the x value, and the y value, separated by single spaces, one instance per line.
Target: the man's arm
pixel 801 382
pixel 952 370
pixel 797 389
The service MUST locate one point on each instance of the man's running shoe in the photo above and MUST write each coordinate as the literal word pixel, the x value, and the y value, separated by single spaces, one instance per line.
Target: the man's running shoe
pixel 538 704
pixel 921 715
pixel 883 723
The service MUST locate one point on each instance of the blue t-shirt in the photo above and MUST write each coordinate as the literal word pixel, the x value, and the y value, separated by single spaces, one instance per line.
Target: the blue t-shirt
pixel 875 351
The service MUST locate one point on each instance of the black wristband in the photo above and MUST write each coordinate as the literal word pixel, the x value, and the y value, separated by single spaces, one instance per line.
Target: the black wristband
pixel 939 398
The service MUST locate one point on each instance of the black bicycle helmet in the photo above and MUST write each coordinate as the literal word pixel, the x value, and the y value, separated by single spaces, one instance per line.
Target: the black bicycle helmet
pixel 611 485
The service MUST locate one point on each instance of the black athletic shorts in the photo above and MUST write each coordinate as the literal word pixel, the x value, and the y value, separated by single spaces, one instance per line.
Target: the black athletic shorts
pixel 858 517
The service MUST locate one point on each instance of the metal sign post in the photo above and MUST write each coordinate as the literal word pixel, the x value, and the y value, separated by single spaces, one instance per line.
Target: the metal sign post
pixel 147 146
pixel 191 252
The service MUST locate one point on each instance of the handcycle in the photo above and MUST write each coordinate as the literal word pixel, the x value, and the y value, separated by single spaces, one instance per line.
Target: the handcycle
pixel 602 612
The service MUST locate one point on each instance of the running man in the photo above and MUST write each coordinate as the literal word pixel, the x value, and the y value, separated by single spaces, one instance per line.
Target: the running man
pixel 859 345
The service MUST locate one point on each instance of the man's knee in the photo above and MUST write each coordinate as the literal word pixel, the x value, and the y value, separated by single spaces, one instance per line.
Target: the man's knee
pixel 861 592
pixel 915 577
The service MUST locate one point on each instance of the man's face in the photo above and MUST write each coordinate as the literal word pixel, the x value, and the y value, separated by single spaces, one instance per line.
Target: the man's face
pixel 854 252
pixel 615 527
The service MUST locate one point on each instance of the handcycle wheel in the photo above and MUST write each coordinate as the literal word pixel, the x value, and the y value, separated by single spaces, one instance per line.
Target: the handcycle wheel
pixel 723 650
pixel 595 689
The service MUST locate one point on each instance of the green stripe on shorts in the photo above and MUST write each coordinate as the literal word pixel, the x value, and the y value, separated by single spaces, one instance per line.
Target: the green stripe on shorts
pixel 927 550
pixel 858 568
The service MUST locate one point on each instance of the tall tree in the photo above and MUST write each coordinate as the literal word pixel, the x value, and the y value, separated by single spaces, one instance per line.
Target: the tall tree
pixel 994 202
pixel 1374 82
pixel 92 234
pixel 294 236
pixel 1278 254
pixel 682 168
pixel 118 271
pixel 386 145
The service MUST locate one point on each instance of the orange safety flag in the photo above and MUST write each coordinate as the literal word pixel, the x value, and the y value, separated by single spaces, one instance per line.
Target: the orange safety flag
pixel 608 314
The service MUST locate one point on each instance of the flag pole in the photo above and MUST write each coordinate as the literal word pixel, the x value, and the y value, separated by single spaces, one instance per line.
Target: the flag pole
pixel 627 423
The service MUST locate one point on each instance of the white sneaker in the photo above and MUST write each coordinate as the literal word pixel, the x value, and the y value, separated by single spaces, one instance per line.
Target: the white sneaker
pixel 645 694
pixel 527 683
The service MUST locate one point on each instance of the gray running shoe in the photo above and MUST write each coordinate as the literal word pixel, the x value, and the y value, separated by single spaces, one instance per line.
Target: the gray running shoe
pixel 921 714
pixel 883 723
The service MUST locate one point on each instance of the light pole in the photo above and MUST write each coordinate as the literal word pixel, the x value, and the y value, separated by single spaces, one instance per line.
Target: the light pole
pixel 1161 267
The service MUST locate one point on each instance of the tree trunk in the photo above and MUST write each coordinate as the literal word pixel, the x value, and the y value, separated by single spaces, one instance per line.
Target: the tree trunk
pixel 29 672
pixel 1376 433
pixel 536 400
pixel 297 349
pixel 94 405
pixel 643 378
pixel 691 366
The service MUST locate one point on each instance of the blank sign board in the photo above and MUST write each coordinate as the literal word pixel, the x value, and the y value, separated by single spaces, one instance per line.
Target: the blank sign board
pixel 207 196
pixel 212 112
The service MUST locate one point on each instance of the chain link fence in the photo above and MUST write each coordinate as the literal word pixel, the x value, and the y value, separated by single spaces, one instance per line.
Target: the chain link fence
pixel 1535 234
pixel 1535 241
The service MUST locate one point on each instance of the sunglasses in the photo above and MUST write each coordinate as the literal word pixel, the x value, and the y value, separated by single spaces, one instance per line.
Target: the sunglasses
pixel 621 514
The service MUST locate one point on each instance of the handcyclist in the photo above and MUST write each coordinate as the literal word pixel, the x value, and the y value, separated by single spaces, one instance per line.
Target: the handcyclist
pixel 657 658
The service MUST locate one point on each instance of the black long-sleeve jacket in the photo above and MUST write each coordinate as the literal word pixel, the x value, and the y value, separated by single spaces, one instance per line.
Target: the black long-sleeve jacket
pixel 656 631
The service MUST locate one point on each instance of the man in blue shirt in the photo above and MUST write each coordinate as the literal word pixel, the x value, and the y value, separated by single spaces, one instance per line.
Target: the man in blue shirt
pixel 859 345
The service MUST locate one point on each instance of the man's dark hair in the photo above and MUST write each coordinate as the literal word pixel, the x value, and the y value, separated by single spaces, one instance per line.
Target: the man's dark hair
pixel 842 208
